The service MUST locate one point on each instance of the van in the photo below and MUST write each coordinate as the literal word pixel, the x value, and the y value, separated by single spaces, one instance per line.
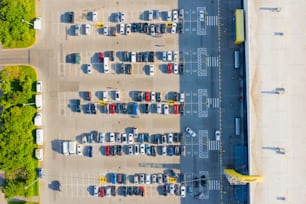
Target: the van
pixel 38 101
pixel 105 64
pixel 133 56
pixel 237 59
pixel 39 137
pixel 169 16
pixel 150 15
pixel 72 147
pixel 39 86
pixel 65 148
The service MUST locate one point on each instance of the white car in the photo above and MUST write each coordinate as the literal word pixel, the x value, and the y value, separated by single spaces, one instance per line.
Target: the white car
pixel 175 15
pixel 170 138
pixel 158 108
pixel 87 29
pixel 169 16
pixel 142 148
pixel 117 95
pixel 173 28
pixel 159 178
pixel 130 138
pixel 105 30
pixel 122 29
pixel 141 179
pixel 112 137
pixel 152 29
pixel 136 149
pixel 164 150
pixel 201 15
pixel 148 178
pixel 175 68
pixel 181 14
pixel 151 70
pixel 217 135
pixel 153 96
pixel 104 96
pixel 190 132
pixel 154 178
pixel 131 149
pixel 175 55
pixel 182 97
pixel 166 109
pixel 128 29
pixel 171 188
pixel 95 190
pixel 84 139
pixel 79 149
pixel 183 191
pixel 94 16
pixel 89 69
pixel 164 56
pixel 169 56
pixel 122 17
pixel 136 178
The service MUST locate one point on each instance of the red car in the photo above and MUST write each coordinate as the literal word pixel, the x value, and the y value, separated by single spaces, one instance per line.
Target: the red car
pixel 175 109
pixel 112 108
pixel 101 57
pixel 142 191
pixel 169 68
pixel 148 96
pixel 107 150
pixel 101 192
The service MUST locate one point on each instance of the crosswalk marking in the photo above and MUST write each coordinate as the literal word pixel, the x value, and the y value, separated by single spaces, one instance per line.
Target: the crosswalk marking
pixel 213 145
pixel 211 20
pixel 213 103
pixel 214 184
pixel 212 61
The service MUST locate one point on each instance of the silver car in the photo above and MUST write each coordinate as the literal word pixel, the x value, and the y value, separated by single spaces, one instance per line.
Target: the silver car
pixel 141 179
pixel 190 132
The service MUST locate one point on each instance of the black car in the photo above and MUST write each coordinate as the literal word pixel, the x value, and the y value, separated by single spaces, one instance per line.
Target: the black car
pixel 113 190
pixel 122 68
pixel 145 57
pixel 95 135
pixel 134 27
pixel 130 190
pixel 145 28
pixel 138 96
pixel 146 108
pixel 93 108
pixel 110 54
pixel 182 178
pixel 165 190
pixel 162 28
pixel 136 190
pixel 181 68
pixel 124 108
pixel 153 150
pixel 128 69
pixel 140 27
pixel 151 56
pixel 175 96
pixel 181 108
pixel 87 95
pixel 124 191
pixel 112 150
pixel 70 17
pixel 203 180
pixel 126 56
pixel 139 57
pixel 119 150
pixel 158 99
pixel 180 28
pixel 176 137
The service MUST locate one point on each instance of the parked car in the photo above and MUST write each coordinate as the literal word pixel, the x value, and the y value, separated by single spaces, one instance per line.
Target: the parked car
pixel 183 191
pixel 130 138
pixel 151 70
pixel 87 29
pixel 217 135
pixel 112 137
pixel 122 29
pixel 173 28
pixel 90 151
pixel 201 15
pixel 175 68
pixel 95 191
pixel 175 109
pixel 121 17
pixel 131 149
pixel 128 29
pixel 105 30
pixel 158 108
pixel 175 15
pixel 169 68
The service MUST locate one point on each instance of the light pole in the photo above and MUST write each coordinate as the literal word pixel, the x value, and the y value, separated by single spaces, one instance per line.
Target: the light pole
pixel 26 187
pixel 24 21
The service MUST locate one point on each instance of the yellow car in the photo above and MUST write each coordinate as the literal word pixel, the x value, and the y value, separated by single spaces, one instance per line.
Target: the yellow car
pixel 99 25
pixel 172 180
pixel 102 179
pixel 169 24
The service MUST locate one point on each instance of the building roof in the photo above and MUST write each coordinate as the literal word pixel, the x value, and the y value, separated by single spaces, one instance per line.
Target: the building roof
pixel 275 56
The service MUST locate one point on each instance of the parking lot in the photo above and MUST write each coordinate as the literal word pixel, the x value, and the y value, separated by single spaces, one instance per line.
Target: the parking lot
pixel 197 50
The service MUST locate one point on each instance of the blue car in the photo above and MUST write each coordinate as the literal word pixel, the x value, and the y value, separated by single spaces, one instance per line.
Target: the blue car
pixel 170 150
pixel 113 178
pixel 40 173
pixel 90 154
